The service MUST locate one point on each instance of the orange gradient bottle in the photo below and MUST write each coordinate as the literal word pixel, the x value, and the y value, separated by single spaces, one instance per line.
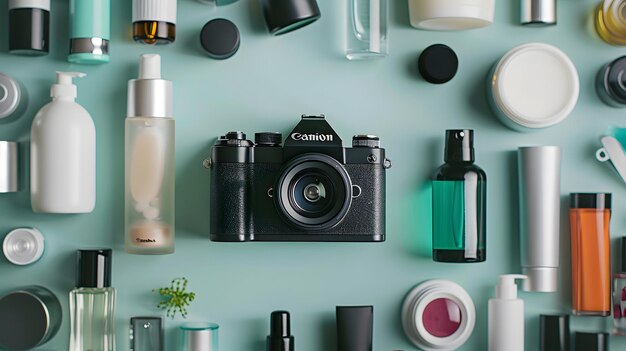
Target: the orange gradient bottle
pixel 590 215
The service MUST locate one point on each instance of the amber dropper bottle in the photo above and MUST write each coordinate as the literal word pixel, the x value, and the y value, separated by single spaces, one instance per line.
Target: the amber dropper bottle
pixel 154 21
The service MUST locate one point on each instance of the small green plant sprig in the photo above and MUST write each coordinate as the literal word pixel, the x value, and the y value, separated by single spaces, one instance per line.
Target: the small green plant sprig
pixel 175 298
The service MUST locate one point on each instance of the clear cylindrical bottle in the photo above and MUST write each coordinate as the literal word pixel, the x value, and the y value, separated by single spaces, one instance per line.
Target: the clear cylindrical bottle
pixel 150 161
pixel 590 215
pixel 367 29
pixel 90 31
pixel 459 203
pixel 619 294
pixel 154 21
pixel 29 27
pixel 92 303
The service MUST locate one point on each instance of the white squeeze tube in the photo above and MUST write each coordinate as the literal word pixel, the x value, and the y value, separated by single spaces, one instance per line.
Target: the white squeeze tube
pixel 149 161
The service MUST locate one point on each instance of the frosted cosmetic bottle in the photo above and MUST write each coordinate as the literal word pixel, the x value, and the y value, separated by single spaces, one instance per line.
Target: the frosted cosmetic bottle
pixel 63 153
pixel 150 161
pixel 506 316
pixel 539 169
pixel 367 29
pixel 92 303
pixel 90 28
pixel 459 203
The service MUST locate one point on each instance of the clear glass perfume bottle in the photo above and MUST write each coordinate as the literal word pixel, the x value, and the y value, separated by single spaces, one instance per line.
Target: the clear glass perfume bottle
pixel 459 203
pixel 92 303
pixel 619 294
pixel 367 29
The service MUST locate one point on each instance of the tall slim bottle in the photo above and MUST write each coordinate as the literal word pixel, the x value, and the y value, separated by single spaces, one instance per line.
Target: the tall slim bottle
pixel 92 303
pixel 539 170
pixel 590 215
pixel 459 203
pixel 90 31
pixel 150 161
pixel 367 29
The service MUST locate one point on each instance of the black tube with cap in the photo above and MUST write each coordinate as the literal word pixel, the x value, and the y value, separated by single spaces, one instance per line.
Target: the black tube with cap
pixel 355 328
pixel 280 338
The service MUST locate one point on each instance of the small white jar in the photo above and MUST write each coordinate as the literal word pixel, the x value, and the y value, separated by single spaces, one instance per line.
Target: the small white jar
pixel 533 86
pixel 451 14
pixel 438 315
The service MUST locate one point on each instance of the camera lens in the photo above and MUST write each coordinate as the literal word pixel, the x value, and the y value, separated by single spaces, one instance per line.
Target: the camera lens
pixel 314 192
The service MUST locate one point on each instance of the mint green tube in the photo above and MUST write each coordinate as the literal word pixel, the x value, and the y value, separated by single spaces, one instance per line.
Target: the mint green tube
pixel 90 31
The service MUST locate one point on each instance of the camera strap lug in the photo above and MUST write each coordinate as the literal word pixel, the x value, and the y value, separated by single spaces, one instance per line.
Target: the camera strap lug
pixel 387 164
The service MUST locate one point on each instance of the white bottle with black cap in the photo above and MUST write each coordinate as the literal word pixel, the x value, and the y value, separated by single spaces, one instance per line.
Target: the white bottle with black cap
pixel 63 153
pixel 506 316
pixel 150 161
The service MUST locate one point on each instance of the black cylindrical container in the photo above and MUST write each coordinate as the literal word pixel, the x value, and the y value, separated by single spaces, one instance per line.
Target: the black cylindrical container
pixel 29 27
pixel 554 333
pixel 610 83
pixel 29 317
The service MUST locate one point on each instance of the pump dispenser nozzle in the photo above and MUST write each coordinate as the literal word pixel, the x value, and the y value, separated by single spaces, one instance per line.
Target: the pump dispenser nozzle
pixel 507 289
pixel 150 66
pixel 65 87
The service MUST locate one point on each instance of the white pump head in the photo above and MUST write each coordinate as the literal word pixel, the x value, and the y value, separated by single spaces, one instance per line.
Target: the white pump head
pixel 507 289
pixel 150 66
pixel 64 86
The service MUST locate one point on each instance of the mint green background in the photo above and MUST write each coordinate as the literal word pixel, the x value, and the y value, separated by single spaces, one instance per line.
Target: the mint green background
pixel 266 86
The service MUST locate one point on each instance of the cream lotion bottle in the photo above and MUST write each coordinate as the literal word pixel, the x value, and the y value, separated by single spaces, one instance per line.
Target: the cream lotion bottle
pixel 63 153
pixel 149 161
pixel 506 316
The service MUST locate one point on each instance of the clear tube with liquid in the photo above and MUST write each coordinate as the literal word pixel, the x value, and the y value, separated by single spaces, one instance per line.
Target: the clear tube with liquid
pixel 367 29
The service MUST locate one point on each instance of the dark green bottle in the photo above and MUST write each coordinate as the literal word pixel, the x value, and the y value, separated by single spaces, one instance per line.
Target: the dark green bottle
pixel 459 203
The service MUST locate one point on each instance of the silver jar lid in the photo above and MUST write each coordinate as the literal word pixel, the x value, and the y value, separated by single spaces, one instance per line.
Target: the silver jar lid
pixel 10 96
pixel 9 166
pixel 23 246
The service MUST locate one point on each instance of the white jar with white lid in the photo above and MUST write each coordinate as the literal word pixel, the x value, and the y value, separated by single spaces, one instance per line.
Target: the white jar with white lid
pixel 451 14
pixel 533 86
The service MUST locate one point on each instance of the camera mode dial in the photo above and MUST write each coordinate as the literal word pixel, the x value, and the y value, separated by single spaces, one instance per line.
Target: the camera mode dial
pixel 268 139
pixel 371 141
pixel 234 139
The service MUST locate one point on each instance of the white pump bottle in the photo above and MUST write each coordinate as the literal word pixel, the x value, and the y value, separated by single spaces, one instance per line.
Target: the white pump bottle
pixel 506 316
pixel 63 153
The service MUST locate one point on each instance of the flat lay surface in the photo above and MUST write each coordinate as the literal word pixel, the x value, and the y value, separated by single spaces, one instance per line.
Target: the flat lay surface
pixel 265 86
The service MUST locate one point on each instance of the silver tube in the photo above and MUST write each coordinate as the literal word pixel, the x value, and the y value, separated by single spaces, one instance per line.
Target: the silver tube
pixel 539 196
pixel 538 12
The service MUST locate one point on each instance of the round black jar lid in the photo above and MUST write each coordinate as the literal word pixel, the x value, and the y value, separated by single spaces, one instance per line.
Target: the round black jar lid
pixel 220 38
pixel 438 64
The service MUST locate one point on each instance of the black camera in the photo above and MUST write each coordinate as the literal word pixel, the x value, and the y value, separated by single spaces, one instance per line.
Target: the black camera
pixel 312 189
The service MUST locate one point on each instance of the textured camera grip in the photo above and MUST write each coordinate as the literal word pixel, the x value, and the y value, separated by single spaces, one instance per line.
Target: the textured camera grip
pixel 230 192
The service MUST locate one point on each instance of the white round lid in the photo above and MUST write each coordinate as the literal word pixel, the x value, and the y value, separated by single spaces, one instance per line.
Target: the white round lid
pixel 23 246
pixel 536 85
pixel 450 14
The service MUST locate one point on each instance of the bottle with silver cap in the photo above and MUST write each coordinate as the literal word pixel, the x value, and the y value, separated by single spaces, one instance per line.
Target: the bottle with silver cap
pixel 150 161
pixel 90 28
pixel 538 12
pixel 154 21
pixel 539 169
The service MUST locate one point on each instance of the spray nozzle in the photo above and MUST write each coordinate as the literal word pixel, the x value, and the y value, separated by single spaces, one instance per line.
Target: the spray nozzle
pixel 150 66
pixel 64 86
pixel 507 289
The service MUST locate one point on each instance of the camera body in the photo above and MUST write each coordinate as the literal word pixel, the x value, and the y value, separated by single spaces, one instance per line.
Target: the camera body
pixel 312 189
